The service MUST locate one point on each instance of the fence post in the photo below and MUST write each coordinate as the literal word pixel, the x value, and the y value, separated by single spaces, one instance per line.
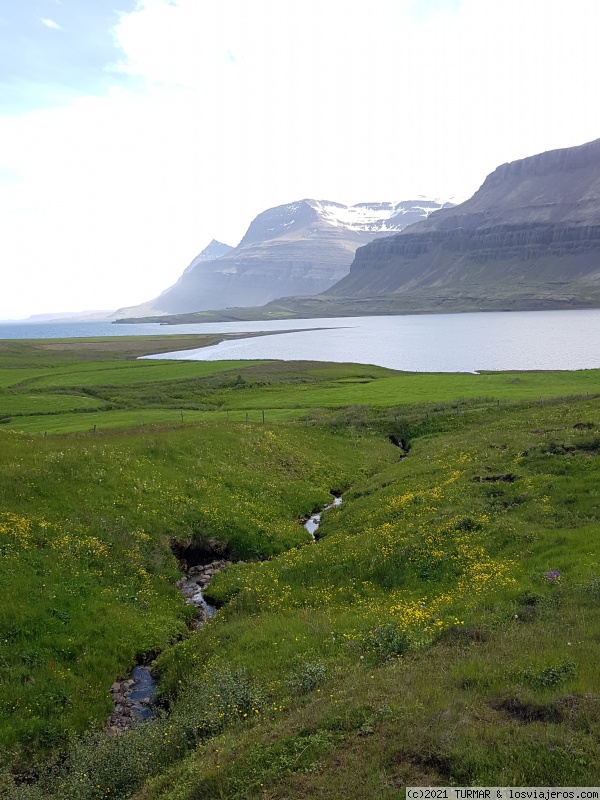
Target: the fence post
pixel 246 416
pixel 263 413
pixel 498 405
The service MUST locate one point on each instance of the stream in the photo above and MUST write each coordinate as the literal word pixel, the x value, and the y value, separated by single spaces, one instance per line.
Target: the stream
pixel 313 522
pixel 134 697
pixel 142 692
pixel 191 585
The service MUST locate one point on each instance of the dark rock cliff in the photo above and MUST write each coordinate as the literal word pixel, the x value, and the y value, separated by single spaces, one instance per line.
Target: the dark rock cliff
pixel 533 224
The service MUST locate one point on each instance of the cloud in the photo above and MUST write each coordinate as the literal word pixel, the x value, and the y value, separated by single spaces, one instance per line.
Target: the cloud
pixel 347 94
pixel 340 100
pixel 8 174
pixel 50 23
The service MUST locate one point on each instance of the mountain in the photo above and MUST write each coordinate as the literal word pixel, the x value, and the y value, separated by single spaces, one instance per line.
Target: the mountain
pixel 299 248
pixel 212 251
pixel 528 238
pixel 69 316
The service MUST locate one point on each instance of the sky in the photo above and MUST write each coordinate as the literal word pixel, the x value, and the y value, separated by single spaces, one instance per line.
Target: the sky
pixel 134 132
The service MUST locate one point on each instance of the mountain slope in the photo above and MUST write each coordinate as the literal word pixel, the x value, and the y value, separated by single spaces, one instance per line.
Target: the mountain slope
pixel 211 252
pixel 530 234
pixel 298 248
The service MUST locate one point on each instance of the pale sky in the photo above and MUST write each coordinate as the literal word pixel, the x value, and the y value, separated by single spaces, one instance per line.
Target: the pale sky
pixel 133 133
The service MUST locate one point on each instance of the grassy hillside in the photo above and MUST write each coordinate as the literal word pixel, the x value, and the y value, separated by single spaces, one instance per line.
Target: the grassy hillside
pixel 85 529
pixel 443 629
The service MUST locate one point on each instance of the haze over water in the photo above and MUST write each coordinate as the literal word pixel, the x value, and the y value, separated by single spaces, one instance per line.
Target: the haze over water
pixel 522 340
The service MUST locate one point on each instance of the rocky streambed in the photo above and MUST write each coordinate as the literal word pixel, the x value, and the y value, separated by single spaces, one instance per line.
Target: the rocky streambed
pixel 133 697
pixel 193 582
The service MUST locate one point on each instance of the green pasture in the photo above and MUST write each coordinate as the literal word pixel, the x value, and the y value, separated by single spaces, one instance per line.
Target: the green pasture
pixel 143 371
pixel 101 421
pixel 158 391
pixel 12 376
pixel 442 629
pixel 413 388
pixel 44 403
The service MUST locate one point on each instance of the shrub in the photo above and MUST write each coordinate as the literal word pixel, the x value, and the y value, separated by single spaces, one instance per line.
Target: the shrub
pixel 592 589
pixel 307 678
pixel 205 709
pixel 386 641
pixel 549 677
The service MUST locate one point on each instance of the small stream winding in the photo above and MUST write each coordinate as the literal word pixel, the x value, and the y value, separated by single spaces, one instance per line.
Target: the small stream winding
pixel 134 697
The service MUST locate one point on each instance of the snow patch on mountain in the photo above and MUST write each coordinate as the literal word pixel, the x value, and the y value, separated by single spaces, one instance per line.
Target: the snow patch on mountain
pixel 373 217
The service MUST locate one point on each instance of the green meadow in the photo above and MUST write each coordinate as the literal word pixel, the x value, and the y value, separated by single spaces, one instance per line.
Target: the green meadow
pixel 443 629
pixel 79 384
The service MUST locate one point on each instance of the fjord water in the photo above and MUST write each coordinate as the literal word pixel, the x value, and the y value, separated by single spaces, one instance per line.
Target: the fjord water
pixel 519 340
pixel 80 330
pixel 516 340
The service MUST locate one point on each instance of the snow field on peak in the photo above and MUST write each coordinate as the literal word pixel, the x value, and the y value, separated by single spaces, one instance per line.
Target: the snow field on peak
pixel 366 216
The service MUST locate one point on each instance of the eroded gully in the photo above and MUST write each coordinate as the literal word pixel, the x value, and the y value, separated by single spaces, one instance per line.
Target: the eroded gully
pixel 134 697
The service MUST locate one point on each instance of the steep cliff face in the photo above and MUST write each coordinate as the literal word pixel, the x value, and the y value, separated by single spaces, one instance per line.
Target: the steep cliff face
pixel 298 248
pixel 533 224
pixel 560 186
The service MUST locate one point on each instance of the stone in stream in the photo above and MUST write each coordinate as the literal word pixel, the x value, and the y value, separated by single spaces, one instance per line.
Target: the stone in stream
pixel 132 699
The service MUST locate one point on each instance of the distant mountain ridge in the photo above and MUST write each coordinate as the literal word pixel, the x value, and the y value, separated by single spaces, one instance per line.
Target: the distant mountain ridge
pixel 297 248
pixel 212 251
pixel 529 237
pixel 68 316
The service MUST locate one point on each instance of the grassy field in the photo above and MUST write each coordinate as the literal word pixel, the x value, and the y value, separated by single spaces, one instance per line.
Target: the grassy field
pixel 117 392
pixel 443 629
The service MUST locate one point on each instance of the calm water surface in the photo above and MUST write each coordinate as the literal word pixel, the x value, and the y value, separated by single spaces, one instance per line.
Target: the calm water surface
pixel 523 340
pixel 78 330
pixel 420 343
